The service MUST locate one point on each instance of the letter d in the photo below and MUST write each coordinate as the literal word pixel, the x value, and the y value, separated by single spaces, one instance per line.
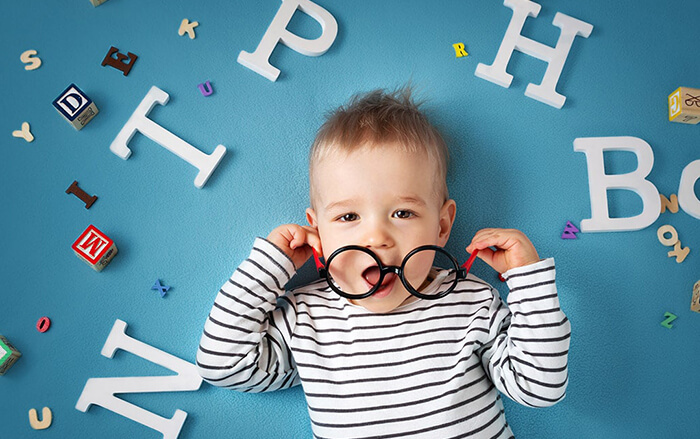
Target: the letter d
pixel 78 100
pixel 599 182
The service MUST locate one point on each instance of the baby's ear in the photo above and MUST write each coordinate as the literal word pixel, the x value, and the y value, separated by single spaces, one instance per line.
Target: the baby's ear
pixel 447 219
pixel 311 217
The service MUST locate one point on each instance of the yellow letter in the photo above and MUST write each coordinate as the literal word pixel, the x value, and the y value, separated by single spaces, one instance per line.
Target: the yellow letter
pixel 459 50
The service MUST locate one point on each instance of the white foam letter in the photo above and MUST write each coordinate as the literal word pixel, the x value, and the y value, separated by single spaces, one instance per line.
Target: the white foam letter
pixel 101 391
pixel 554 56
pixel 686 191
pixel 258 61
pixel 139 121
pixel 599 182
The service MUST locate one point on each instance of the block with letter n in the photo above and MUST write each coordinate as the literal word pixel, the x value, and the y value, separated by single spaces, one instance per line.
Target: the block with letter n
pixel 95 248
pixel 75 106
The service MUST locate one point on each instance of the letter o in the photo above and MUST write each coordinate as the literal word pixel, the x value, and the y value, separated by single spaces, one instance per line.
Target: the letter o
pixel 667 241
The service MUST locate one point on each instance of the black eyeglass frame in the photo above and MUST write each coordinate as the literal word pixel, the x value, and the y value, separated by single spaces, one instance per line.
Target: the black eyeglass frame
pixel 461 272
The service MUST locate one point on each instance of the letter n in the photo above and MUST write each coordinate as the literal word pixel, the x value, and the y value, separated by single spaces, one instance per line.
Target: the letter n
pixel 101 391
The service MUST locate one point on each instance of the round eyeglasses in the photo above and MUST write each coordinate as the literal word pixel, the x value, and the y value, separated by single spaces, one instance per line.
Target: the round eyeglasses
pixel 356 272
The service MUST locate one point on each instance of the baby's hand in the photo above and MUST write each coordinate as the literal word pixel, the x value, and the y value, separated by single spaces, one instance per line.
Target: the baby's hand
pixel 513 248
pixel 296 242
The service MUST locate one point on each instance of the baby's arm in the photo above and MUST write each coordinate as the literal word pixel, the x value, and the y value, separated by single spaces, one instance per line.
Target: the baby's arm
pixel 527 353
pixel 243 346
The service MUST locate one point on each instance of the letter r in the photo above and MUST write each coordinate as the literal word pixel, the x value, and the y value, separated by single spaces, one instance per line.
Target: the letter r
pixel 599 182
pixel 277 32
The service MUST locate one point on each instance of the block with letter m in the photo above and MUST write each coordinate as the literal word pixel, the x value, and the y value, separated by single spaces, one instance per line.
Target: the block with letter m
pixel 95 248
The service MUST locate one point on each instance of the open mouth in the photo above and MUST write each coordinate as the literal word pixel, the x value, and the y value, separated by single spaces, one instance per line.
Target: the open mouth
pixel 372 274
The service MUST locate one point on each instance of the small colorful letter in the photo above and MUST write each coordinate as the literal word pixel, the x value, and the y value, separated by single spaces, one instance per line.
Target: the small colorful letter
pixel 459 50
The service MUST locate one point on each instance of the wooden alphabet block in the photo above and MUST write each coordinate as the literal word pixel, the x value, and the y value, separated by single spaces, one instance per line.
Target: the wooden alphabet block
pixel 95 248
pixel 695 302
pixel 75 106
pixel 684 106
pixel 8 355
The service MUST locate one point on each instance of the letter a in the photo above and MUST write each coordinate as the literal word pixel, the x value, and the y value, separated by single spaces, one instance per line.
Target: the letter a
pixel 139 121
pixel 101 391
pixel 599 182
pixel 554 56
pixel 277 32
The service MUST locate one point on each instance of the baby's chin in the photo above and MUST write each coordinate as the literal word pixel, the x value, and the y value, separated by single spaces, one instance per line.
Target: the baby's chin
pixel 386 304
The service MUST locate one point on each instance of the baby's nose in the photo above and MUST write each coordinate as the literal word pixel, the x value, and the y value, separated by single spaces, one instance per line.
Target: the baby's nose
pixel 377 236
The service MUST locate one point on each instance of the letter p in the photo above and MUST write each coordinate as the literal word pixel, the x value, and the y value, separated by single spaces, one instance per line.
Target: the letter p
pixel 258 61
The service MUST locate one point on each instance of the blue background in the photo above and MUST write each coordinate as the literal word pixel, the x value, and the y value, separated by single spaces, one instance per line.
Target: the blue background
pixel 513 166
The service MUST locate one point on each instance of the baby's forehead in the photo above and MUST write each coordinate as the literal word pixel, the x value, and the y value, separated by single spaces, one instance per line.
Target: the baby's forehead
pixel 364 174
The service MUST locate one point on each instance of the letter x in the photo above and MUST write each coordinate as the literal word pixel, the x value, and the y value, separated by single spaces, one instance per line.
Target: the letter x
pixel 162 289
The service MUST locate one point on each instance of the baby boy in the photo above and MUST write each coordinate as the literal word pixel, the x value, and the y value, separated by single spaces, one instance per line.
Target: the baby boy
pixel 385 360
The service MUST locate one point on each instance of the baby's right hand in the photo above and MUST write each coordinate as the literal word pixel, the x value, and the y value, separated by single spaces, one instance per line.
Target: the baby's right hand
pixel 296 242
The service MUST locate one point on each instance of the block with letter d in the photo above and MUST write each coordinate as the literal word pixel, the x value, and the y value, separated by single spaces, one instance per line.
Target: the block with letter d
pixel 75 106
pixel 95 248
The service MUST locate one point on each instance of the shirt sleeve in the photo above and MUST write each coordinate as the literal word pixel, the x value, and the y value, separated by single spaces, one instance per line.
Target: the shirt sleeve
pixel 527 353
pixel 244 345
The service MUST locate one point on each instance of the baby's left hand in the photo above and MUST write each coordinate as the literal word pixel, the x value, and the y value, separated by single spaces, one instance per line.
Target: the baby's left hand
pixel 513 248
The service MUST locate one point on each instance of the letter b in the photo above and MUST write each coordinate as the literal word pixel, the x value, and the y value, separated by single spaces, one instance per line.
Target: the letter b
pixel 599 182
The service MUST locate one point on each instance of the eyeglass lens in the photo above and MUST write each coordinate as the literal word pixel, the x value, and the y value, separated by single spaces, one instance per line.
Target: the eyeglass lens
pixel 356 272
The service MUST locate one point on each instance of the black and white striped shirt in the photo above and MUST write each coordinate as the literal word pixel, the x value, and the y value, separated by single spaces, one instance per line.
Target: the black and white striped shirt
pixel 428 369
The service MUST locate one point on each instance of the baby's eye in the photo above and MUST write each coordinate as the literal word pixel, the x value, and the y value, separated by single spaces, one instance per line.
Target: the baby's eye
pixel 348 217
pixel 403 214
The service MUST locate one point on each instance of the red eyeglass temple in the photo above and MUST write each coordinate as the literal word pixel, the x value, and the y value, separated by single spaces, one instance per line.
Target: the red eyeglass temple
pixel 470 261
pixel 319 265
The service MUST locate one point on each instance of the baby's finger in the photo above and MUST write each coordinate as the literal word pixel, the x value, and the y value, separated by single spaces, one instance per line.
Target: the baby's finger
pixel 502 239
pixel 481 240
pixel 482 234
pixel 313 239
pixel 298 236
pixel 486 255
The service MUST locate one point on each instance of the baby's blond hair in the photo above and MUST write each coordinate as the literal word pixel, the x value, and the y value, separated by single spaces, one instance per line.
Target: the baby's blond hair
pixel 381 118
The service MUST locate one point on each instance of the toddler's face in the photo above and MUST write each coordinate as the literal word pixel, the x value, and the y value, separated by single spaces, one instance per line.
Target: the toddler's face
pixel 386 200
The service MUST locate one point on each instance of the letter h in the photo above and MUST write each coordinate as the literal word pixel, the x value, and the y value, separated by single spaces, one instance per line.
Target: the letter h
pixel 554 56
